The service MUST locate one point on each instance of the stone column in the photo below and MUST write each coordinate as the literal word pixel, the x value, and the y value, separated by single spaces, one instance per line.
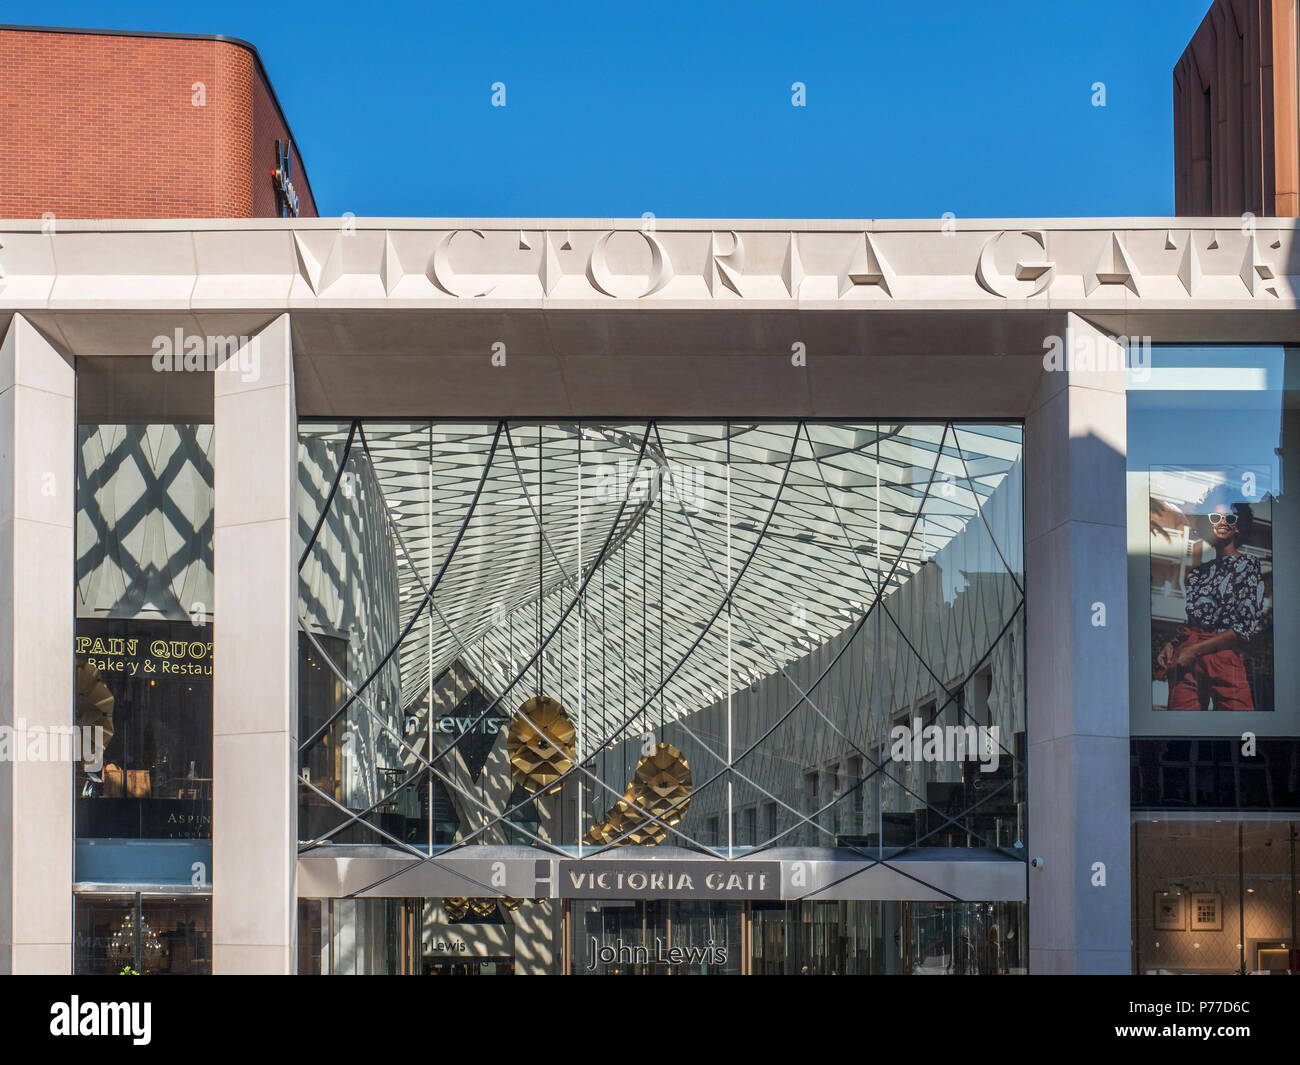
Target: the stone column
pixel 1077 652
pixel 38 433
pixel 255 679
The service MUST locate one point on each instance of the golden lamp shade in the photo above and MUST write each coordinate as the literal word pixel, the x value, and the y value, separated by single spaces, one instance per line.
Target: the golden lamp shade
pixel 540 744
pixel 661 786
pixel 616 820
pixel 94 701
pixel 647 833
pixel 457 909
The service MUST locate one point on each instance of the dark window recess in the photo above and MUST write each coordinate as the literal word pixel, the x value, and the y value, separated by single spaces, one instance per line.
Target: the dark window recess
pixel 1213 774
pixel 475 745
pixel 445 821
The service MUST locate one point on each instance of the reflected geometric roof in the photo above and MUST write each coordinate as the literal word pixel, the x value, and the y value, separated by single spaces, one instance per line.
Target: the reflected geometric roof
pixel 653 522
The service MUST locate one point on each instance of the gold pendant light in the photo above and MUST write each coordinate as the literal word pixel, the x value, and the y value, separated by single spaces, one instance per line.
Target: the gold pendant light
pixel 661 786
pixel 455 908
pixel 540 744
pixel 94 705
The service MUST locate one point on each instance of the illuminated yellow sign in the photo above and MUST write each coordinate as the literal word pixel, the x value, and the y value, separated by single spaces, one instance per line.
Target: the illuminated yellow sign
pixel 126 655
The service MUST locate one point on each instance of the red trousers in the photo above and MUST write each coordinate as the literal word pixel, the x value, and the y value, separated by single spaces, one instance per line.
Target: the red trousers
pixel 1220 676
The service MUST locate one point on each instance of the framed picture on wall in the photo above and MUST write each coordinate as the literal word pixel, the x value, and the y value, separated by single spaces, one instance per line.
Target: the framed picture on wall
pixel 1170 912
pixel 1207 911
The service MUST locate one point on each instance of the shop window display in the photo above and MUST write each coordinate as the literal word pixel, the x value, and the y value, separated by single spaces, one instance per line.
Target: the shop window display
pixel 143 935
pixel 1215 896
pixel 154 685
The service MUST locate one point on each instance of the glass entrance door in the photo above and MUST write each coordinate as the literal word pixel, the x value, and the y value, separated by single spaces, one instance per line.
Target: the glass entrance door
pixel 813 938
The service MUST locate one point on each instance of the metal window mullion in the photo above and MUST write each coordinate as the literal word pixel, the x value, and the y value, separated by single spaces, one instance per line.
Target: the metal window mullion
pixel 875 673
pixel 582 651
pixel 428 717
pixel 730 683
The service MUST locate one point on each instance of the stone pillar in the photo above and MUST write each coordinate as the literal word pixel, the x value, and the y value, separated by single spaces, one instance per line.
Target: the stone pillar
pixel 38 433
pixel 255 679
pixel 1077 684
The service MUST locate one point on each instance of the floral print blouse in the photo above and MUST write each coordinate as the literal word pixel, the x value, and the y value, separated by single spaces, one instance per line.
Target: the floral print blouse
pixel 1227 593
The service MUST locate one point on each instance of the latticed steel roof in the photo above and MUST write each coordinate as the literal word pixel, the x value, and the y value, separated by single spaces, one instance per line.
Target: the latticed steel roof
pixel 647 525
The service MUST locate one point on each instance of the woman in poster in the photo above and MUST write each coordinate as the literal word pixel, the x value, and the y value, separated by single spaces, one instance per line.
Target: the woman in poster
pixel 1224 613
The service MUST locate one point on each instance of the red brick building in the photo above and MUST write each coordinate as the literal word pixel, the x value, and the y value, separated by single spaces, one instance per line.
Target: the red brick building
pixel 116 124
pixel 1236 112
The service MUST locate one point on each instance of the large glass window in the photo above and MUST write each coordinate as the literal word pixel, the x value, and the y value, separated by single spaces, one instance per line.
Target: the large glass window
pixel 1213 542
pixel 143 647
pixel 586 635
pixel 356 937
pixel 479 936
pixel 1215 895
pixel 148 935
pixel 891 938
pixel 1214 579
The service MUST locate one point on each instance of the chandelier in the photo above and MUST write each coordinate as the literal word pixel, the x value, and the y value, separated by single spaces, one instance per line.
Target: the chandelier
pixel 121 944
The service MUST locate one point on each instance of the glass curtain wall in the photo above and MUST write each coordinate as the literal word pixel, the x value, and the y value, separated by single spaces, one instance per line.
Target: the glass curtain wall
pixel 1213 435
pixel 725 637
pixel 143 635
pixel 890 938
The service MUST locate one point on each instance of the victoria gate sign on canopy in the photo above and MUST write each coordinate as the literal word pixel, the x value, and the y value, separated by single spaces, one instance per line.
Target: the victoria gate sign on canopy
pixel 594 879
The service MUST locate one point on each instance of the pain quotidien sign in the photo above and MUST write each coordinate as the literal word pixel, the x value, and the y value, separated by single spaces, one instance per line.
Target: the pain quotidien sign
pixel 599 879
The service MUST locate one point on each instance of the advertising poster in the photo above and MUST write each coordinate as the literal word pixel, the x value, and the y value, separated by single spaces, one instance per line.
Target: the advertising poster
pixel 1211 590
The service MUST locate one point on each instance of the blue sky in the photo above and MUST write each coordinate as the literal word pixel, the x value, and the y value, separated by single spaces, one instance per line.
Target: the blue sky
pixel 684 109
